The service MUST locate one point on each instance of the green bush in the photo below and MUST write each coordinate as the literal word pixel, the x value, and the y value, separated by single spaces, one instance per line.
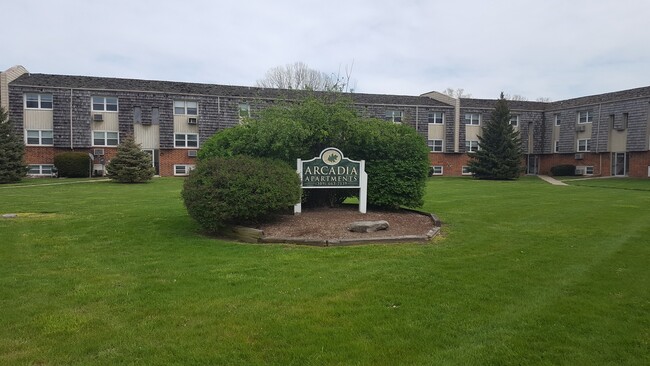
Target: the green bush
pixel 239 190
pixel 563 170
pixel 73 164
pixel 396 155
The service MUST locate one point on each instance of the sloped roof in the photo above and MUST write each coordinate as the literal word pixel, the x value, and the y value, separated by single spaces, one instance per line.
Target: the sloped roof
pixel 173 87
pixel 643 92
pixel 512 104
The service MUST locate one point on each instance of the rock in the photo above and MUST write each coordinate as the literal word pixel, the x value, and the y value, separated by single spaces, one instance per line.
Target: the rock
pixel 9 216
pixel 367 226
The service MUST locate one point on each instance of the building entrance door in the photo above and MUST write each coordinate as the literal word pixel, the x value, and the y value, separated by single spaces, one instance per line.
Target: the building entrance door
pixel 620 164
pixel 155 159
pixel 533 165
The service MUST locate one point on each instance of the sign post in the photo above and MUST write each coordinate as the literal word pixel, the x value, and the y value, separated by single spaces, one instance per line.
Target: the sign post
pixel 332 170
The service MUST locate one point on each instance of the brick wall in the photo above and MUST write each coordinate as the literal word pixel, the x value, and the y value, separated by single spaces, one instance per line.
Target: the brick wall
pixel 170 157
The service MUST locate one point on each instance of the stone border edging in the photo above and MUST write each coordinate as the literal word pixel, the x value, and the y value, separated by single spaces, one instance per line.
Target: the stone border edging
pixel 251 235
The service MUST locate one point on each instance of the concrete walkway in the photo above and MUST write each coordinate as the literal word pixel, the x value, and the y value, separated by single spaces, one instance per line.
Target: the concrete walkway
pixel 553 181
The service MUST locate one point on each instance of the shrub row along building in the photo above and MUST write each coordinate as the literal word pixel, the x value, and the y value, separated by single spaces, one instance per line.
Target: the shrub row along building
pixel 606 134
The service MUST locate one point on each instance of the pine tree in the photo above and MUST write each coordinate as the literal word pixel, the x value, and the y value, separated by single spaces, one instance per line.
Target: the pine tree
pixel 131 164
pixel 499 155
pixel 12 150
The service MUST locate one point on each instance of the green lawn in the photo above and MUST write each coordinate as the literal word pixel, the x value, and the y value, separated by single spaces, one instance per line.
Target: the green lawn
pixel 525 273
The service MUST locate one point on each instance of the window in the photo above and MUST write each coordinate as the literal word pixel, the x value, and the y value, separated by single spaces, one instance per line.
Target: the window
pixel 436 117
pixel 40 169
pixel 435 145
pixel 137 115
pixel 244 110
pixel 557 119
pixel 473 119
pixel 471 146
pixel 394 116
pixel 183 169
pixel 39 137
pixel 514 121
pixel 556 146
pixel 155 116
pixel 101 104
pixel 626 117
pixel 435 170
pixel 585 117
pixel 38 101
pixel 186 107
pixel 186 140
pixel 466 170
pixel 584 145
pixel 105 138
pixel 589 170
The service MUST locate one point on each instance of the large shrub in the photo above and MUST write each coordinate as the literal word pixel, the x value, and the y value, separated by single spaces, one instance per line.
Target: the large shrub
pixel 12 150
pixel 130 164
pixel 396 156
pixel 563 170
pixel 73 164
pixel 239 189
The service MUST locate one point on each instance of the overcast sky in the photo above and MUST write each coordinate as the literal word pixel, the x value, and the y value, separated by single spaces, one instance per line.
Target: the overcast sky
pixel 542 48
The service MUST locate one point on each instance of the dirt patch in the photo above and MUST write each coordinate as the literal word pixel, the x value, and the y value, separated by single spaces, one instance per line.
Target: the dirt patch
pixel 331 224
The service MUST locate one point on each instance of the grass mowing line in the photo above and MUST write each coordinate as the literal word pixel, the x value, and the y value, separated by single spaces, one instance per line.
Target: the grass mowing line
pixel 53 184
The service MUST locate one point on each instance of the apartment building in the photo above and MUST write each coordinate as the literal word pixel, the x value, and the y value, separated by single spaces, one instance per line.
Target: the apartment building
pixel 606 134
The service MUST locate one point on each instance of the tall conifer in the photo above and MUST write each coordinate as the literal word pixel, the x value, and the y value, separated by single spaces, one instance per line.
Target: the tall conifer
pixel 12 150
pixel 131 164
pixel 499 155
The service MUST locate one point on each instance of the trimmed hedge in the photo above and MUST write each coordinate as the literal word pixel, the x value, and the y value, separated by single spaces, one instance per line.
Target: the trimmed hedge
pixel 397 157
pixel 563 170
pixel 73 164
pixel 239 190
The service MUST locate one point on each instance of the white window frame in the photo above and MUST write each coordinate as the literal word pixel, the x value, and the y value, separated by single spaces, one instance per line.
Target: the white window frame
pixel 583 145
pixel 588 169
pixel 514 118
pixel 49 99
pixel 585 117
pixel 40 137
pixel 436 145
pixel 106 138
pixel 189 108
pixel 186 169
pixel 244 110
pixel 557 120
pixel 465 170
pixel 394 116
pixel 186 140
pixel 473 119
pixel 104 102
pixel 43 169
pixel 556 146
pixel 437 170
pixel 437 118
pixel 471 146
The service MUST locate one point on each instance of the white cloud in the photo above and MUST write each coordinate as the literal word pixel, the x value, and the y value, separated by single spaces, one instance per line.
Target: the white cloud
pixel 556 49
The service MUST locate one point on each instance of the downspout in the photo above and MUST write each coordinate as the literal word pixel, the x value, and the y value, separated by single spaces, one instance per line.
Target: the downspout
pixel 71 143
pixel 457 125
pixel 600 153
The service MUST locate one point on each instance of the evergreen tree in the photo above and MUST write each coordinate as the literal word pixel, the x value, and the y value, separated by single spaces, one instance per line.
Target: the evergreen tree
pixel 12 150
pixel 131 164
pixel 499 155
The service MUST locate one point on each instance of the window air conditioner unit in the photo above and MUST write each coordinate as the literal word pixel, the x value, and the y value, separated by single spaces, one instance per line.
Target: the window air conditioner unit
pixel 98 152
pixel 619 128
pixel 98 117
pixel 191 153
pixel 580 129
pixel 580 172
pixel 191 121
pixel 580 156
